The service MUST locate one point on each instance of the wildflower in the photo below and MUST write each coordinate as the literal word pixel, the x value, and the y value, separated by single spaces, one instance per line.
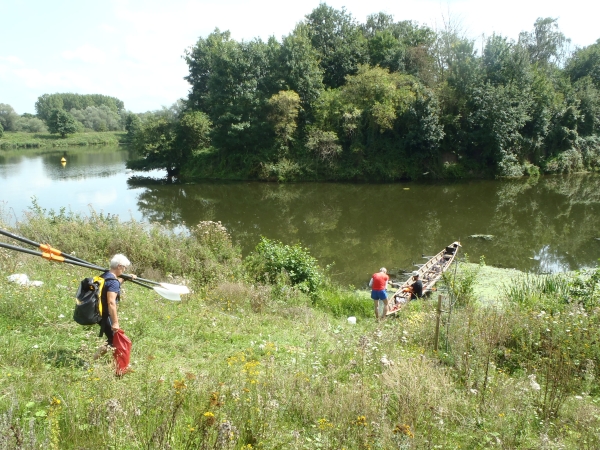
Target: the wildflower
pixel 209 417
pixel 403 429
pixel 534 385
pixel 324 424
pixel 361 421
pixel 214 399
pixel 179 385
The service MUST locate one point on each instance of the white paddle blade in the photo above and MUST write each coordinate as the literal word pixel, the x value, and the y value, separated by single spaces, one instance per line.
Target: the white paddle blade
pixel 176 288
pixel 169 295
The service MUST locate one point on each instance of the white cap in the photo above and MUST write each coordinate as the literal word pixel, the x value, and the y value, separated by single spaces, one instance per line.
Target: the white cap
pixel 415 273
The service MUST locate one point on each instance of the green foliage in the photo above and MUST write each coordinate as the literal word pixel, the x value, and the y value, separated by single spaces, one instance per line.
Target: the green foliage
pixel 98 118
pixel 283 115
pixel 271 260
pixel 22 139
pixel 1 130
pixel 339 42
pixel 204 257
pixel 154 143
pixel 567 162
pixel 461 285
pixel 240 365
pixel 132 125
pixel 585 62
pixel 386 100
pixel 68 101
pixel 8 117
pixel 61 122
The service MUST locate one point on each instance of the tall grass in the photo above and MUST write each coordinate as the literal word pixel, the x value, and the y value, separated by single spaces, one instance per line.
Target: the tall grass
pixel 243 365
pixel 40 140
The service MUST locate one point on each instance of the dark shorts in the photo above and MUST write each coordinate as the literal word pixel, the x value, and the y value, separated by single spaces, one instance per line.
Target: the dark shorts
pixel 379 295
pixel 106 329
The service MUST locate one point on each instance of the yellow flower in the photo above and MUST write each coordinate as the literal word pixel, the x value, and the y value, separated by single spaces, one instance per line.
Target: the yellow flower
pixel 179 385
pixel 324 424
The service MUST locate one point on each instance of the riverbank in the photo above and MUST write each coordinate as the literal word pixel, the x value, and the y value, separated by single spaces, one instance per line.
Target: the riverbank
pixel 39 140
pixel 246 364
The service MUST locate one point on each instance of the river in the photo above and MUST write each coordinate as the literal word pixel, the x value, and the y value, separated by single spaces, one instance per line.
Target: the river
pixel 549 224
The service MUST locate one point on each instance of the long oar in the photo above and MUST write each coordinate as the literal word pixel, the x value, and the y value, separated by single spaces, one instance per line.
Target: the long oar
pixel 165 293
pixel 46 248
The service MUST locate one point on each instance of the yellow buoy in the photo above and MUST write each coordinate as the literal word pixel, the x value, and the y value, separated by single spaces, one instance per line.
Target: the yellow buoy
pixel 63 160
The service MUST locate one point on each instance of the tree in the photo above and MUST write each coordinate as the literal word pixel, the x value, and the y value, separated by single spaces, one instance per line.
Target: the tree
pixel 61 122
pixel 299 67
pixel 585 62
pixel 8 117
pixel 133 124
pixel 68 101
pixel 546 44
pixel 231 83
pixel 154 143
pixel 283 115
pixel 1 130
pixel 193 133
pixel 339 41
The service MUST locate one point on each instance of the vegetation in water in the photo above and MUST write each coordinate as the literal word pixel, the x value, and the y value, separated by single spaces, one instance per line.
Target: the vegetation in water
pixel 242 363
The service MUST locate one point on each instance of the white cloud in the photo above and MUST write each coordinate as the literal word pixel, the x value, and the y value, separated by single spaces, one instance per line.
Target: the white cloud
pixel 86 53
pixel 11 59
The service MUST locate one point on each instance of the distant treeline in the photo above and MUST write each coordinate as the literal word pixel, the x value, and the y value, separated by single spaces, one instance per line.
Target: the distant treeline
pixel 67 113
pixel 381 100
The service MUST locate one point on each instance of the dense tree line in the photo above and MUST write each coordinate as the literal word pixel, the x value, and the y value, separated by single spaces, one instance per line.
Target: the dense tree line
pixel 381 100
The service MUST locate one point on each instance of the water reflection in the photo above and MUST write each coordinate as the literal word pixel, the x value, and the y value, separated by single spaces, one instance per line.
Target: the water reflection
pixel 544 225
pixel 547 225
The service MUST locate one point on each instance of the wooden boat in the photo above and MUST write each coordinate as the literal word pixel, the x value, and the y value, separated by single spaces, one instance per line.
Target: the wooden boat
pixel 429 274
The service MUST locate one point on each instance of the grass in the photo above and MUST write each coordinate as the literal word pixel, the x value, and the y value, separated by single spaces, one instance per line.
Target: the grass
pixel 243 365
pixel 18 139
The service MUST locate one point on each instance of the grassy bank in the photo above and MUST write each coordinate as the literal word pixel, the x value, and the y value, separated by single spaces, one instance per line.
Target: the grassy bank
pixel 243 364
pixel 38 140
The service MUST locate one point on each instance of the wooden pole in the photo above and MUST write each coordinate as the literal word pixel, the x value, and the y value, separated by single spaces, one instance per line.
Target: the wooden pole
pixel 437 323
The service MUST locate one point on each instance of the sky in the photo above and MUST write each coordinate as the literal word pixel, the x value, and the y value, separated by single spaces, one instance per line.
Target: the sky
pixel 133 49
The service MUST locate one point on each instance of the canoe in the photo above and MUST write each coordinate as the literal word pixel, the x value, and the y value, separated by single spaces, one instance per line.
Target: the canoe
pixel 429 274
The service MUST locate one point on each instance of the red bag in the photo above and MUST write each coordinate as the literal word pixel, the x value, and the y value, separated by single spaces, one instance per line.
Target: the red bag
pixel 122 345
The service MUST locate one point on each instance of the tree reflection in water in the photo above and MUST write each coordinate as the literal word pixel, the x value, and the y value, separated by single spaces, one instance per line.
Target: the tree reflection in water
pixel 541 225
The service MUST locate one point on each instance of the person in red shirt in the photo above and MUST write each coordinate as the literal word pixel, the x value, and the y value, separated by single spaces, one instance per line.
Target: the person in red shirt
pixel 378 285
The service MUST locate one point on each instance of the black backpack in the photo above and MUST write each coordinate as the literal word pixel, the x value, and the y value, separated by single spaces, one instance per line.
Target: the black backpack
pixel 88 303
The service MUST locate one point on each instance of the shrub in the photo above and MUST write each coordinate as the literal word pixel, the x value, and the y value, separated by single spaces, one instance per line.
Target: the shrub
pixel 271 259
pixel 567 162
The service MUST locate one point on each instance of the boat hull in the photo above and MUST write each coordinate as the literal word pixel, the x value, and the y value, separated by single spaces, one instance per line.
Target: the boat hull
pixel 429 274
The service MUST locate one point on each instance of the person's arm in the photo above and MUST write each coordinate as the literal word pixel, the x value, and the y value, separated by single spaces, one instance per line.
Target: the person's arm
pixel 371 282
pixel 111 299
pixel 123 280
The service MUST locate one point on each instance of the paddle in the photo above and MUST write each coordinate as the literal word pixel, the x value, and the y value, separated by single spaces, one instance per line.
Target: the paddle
pixel 46 248
pixel 165 293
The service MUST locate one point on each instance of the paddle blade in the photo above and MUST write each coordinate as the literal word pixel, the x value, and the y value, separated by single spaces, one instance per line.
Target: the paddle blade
pixel 176 288
pixel 165 293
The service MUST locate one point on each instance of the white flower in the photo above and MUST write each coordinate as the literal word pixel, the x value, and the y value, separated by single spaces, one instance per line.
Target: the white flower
pixel 61 316
pixel 534 385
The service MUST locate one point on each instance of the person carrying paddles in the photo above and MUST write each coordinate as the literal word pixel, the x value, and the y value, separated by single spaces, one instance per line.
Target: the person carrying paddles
pixel 110 297
pixel 378 285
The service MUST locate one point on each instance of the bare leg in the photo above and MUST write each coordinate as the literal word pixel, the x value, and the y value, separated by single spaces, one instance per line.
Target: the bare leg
pixel 102 350
pixel 376 306
pixel 386 308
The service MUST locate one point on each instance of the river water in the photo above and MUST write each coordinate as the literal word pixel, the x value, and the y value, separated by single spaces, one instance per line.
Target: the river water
pixel 546 225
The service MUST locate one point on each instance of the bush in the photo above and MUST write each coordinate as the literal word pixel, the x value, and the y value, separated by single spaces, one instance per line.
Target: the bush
pixel 567 162
pixel 271 260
